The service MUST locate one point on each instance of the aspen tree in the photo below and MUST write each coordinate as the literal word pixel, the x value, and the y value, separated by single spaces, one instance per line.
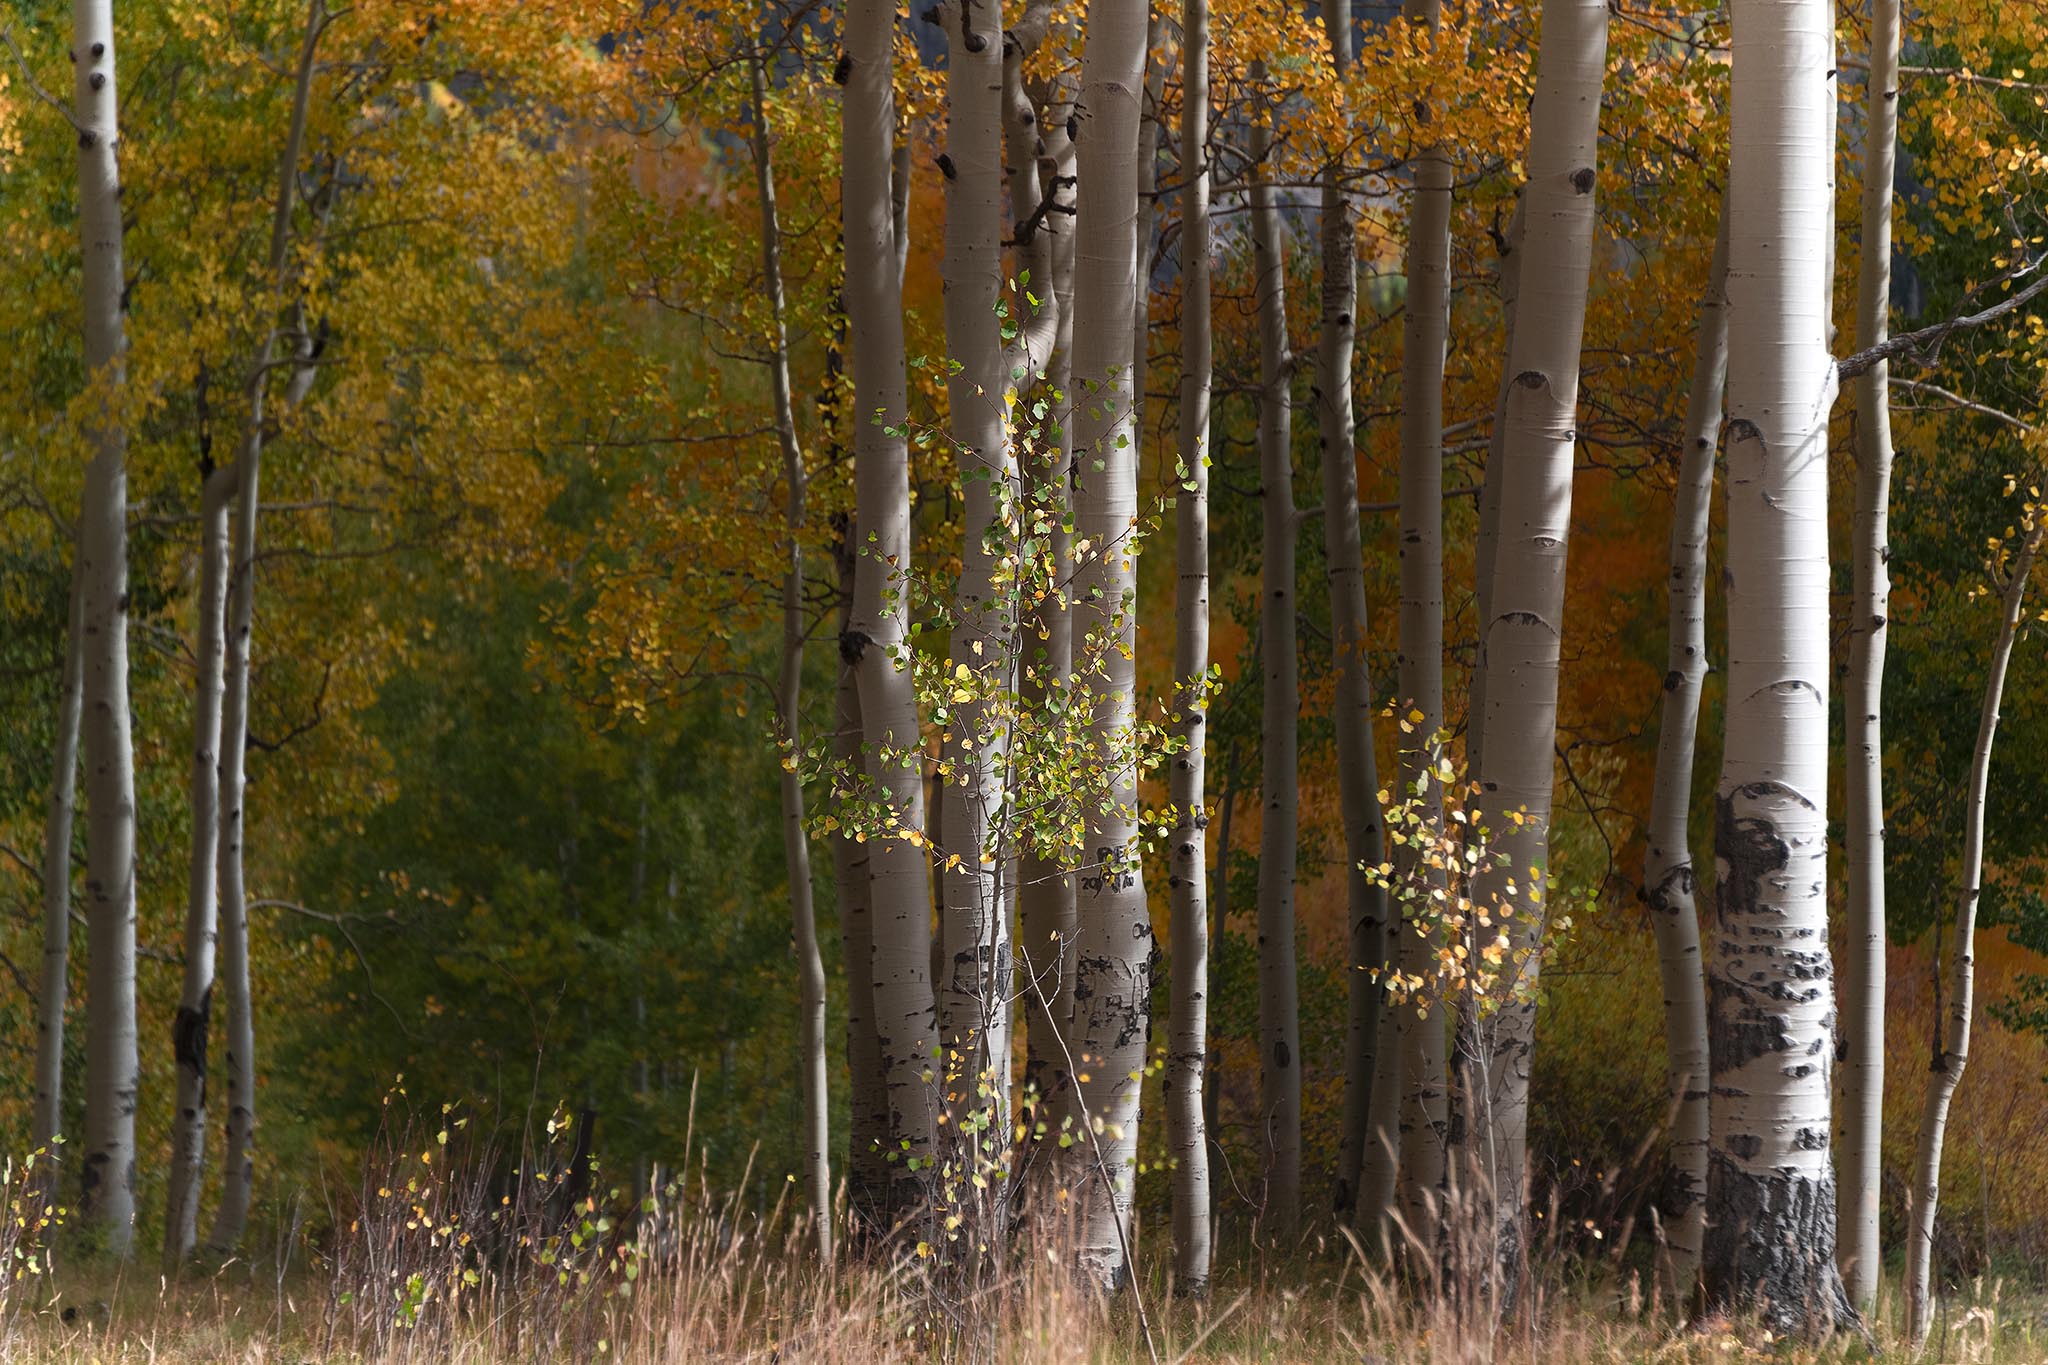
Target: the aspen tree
pixel 1425 330
pixel 1188 1053
pixel 1770 1240
pixel 1279 1002
pixel 1046 893
pixel 195 1003
pixel 1425 1117
pixel 1863 968
pixel 867 1167
pixel 55 983
pixel 112 1062
pixel 1523 625
pixel 1358 781
pixel 1669 877
pixel 796 852
pixel 238 1160
pixel 874 644
pixel 1952 1052
pixel 973 988
pixel 1113 981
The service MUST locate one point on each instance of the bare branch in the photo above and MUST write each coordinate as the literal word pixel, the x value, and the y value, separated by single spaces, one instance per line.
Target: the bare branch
pixel 1921 345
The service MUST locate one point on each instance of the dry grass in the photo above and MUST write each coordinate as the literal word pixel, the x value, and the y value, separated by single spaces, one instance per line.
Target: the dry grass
pixel 438 1257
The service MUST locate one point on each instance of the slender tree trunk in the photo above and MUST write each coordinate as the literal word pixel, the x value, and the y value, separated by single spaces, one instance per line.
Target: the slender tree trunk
pixel 107 1172
pixel 1113 982
pixel 1524 624
pixel 1770 1240
pixel 1279 1005
pixel 1861 1256
pixel 1427 1131
pixel 1219 940
pixel 875 642
pixel 796 851
pixel 1669 877
pixel 1148 212
pixel 867 1166
pixel 1187 1140
pixel 1424 336
pixel 56 978
pixel 195 1002
pixel 1952 1049
pixel 974 982
pixel 1046 894
pixel 238 1162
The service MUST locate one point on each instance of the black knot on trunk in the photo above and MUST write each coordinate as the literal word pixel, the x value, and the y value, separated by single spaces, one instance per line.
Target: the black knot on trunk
pixel 843 70
pixel 99 50
pixel 97 79
pixel 1582 180
pixel 946 166
pixel 853 644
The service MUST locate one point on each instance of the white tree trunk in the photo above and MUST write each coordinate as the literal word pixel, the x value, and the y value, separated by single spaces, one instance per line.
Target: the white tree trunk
pixel 1770 1241
pixel 867 1169
pixel 1113 982
pixel 875 642
pixel 238 1162
pixel 974 985
pixel 1860 1255
pixel 112 1063
pixel 195 1002
pixel 796 850
pixel 1420 702
pixel 1187 1056
pixel 1524 625
pixel 1952 1054
pixel 1670 881
pixel 1279 1006
pixel 1046 895
pixel 1148 212
pixel 55 984
pixel 1426 1129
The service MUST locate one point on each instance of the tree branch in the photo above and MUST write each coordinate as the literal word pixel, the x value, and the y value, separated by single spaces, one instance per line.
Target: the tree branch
pixel 36 86
pixel 1921 345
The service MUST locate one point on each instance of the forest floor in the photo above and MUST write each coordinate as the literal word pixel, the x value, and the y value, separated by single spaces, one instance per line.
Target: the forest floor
pixel 736 1307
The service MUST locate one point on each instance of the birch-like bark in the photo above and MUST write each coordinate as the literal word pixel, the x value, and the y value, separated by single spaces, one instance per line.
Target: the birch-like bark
pixel 875 641
pixel 112 1063
pixel 189 1030
pixel 1113 983
pixel 231 1217
pixel 1148 213
pixel 1952 1049
pixel 1670 880
pixel 1046 896
pixel 1279 1004
pixel 1861 1255
pixel 973 988
pixel 1524 625
pixel 796 850
pixel 1770 1240
pixel 1426 1086
pixel 1424 336
pixel 867 1166
pixel 1187 1057
pixel 55 985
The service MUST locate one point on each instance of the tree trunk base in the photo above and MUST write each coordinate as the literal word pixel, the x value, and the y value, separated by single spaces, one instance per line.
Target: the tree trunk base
pixel 1770 1250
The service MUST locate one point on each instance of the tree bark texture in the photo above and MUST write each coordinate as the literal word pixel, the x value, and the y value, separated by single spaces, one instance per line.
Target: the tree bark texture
pixel 55 984
pixel 1861 1111
pixel 1187 1057
pixel 1771 1212
pixel 1113 979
